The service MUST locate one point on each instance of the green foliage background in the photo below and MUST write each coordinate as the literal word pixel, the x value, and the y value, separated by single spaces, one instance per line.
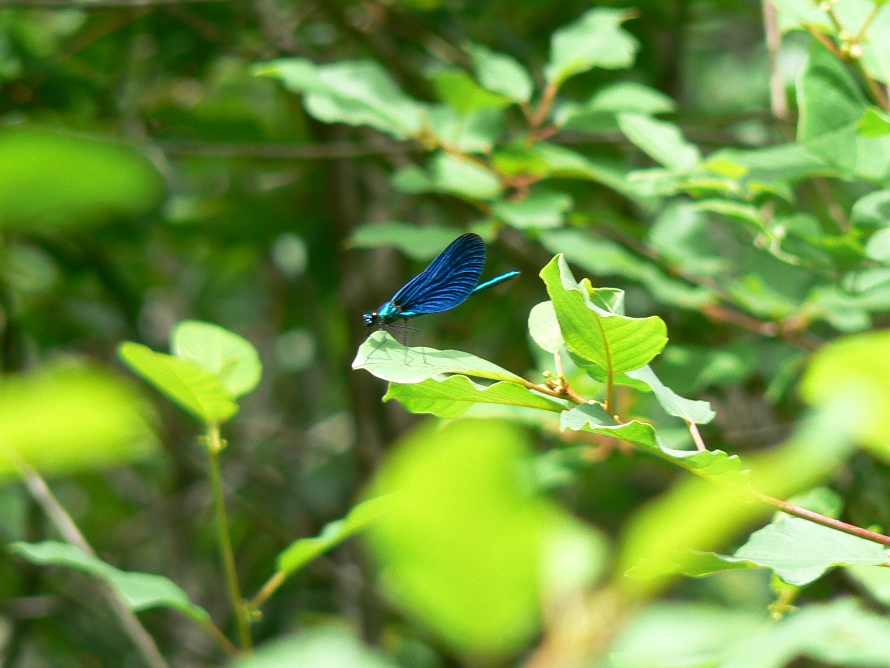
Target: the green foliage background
pixel 278 168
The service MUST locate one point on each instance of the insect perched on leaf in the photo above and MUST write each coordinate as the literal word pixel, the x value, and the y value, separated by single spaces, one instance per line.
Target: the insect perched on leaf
pixel 446 282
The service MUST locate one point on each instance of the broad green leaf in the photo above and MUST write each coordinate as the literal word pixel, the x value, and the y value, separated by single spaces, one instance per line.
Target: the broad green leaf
pixel 451 397
pixel 872 211
pixel 874 123
pixel 874 579
pixel 689 409
pixel 501 73
pixel 544 327
pixel 229 357
pixel 562 162
pixel 464 177
pixel 463 94
pixel 784 162
pixel 542 208
pixel 412 180
pixel 386 358
pixel 418 243
pixel 712 464
pixel 186 383
pixel 476 132
pixel 595 40
pixel 57 180
pixel 357 92
pixel 490 545
pixel 800 551
pixel 855 366
pixel 682 235
pixel 140 591
pixel 683 633
pixel 302 551
pixel 737 210
pixel 599 113
pixel 64 420
pixel 660 140
pixel 878 246
pixel 839 633
pixel 325 647
pixel 616 343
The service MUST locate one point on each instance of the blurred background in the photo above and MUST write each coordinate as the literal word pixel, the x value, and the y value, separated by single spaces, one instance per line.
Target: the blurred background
pixel 148 176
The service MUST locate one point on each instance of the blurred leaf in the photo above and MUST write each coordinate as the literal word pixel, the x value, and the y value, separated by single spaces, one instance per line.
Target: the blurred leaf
pixel 476 132
pixel 562 162
pixel 682 234
pixel 451 397
pixel 500 73
pixel 544 327
pixel 69 419
pixel 140 591
pixel 878 246
pixel 229 357
pixel 681 633
pixel 660 140
pixel 304 550
pixel 465 177
pixel 463 94
pixel 874 579
pixel 874 123
pixel 386 358
pixel 418 243
pixel 475 577
pixel 595 40
pixel 855 366
pixel 186 383
pixel 713 464
pixel 542 208
pixel 784 162
pixel 839 633
pixel 616 343
pixel 690 410
pixel 872 210
pixel 357 92
pixel 737 210
pixel 57 180
pixel 599 113
pixel 315 648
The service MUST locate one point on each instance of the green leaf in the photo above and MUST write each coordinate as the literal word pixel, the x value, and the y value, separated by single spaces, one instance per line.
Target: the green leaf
pixel 56 180
pixel 838 633
pixel 418 243
pixel 463 94
pixel 690 410
pixel 617 343
pixel 800 551
pixel 476 132
pixel 464 177
pixel 357 92
pixel 595 40
pixel 544 327
pixel 386 358
pixel 874 579
pixel 140 591
pixel 69 419
pixel 878 246
pixel 500 73
pixel 315 648
pixel 302 551
pixel 784 162
pixel 229 357
pixel 451 397
pixel 855 366
pixel 599 113
pixel 874 123
pixel 660 140
pixel 737 210
pixel 872 211
pixel 713 464
pixel 561 162
pixel 542 208
pixel 490 545
pixel 186 383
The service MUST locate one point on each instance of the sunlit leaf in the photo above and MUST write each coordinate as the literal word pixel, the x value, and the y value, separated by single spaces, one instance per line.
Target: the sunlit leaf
pixel 501 73
pixel 689 409
pixel 315 648
pixel 186 383
pixel 140 591
pixel 229 357
pixel 462 176
pixel 69 419
pixel 463 94
pixel 660 140
pixel 57 180
pixel 874 123
pixel 418 243
pixel 543 327
pixel 451 397
pixel 542 208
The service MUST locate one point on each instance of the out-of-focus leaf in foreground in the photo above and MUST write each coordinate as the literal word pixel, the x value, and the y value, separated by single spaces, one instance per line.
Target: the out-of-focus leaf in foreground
pixel 316 648
pixel 65 420
pixel 466 547
pixel 56 180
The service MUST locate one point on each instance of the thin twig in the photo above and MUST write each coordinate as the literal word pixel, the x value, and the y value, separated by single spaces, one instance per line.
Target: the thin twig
pixel 696 437
pixel 140 638
pixel 830 522
pixel 778 101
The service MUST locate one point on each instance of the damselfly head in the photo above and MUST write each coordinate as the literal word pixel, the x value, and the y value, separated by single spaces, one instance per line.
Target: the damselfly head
pixel 371 319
